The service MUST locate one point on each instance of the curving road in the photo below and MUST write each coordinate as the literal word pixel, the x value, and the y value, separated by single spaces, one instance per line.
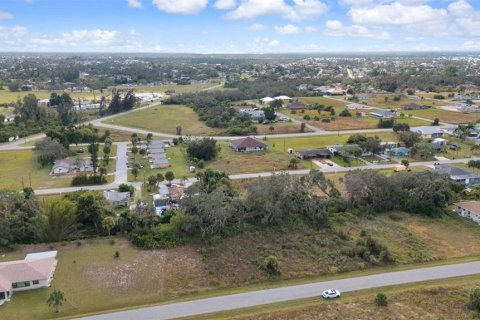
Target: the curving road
pixel 277 295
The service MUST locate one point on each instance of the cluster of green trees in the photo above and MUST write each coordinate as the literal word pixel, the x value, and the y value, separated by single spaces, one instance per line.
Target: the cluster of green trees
pixel 213 208
pixel 214 108
pixel 119 104
pixel 25 219
pixel 426 193
pixel 202 149
pixel 73 134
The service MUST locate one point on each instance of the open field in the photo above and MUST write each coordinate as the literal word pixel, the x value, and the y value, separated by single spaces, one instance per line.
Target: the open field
pixel 166 118
pixel 378 100
pixel 188 88
pixel 445 116
pixel 348 123
pixel 7 96
pixel 244 162
pixel 334 102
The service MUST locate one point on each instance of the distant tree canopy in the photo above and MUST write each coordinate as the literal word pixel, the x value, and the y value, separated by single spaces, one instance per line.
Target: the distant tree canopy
pixel 117 104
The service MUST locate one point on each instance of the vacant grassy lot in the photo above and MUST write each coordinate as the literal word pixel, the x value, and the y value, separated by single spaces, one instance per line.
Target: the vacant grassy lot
pixel 166 118
pixel 335 102
pixel 188 88
pixel 233 162
pixel 379 101
pixel 7 96
pixel 445 116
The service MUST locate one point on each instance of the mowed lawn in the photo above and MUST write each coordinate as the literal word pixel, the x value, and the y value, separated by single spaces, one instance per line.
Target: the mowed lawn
pixel 188 88
pixel 7 96
pixel 274 159
pixel 165 119
pixel 21 164
pixel 445 116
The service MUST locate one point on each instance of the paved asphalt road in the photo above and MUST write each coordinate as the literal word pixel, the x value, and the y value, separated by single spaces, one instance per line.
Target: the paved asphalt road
pixel 256 298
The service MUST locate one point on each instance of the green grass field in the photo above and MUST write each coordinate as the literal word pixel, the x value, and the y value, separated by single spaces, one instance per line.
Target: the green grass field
pixel 21 164
pixel 166 118
pixel 7 96
pixel 445 116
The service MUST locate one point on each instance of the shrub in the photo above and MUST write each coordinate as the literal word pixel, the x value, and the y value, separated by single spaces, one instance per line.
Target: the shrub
pixel 475 299
pixel 201 164
pixel 381 300
pixel 306 117
pixel 326 120
pixel 116 255
pixel 345 113
pixel 271 266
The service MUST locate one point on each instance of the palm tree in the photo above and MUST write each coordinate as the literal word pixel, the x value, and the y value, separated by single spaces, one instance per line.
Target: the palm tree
pixel 56 299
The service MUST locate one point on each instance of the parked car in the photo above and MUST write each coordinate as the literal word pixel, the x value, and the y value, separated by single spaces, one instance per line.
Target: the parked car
pixel 331 294
pixel 454 146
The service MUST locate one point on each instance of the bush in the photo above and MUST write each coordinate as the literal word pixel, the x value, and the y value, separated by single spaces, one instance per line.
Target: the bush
pixel 475 299
pixel 271 266
pixel 306 117
pixel 126 188
pixel 326 120
pixel 381 300
pixel 203 149
pixel 201 164
pixel 345 113
pixel 116 255
pixel 84 180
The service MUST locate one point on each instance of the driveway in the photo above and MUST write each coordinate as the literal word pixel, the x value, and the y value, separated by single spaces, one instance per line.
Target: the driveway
pixel 277 295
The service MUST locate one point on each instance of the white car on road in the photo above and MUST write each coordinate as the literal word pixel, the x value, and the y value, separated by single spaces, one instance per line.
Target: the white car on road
pixel 331 294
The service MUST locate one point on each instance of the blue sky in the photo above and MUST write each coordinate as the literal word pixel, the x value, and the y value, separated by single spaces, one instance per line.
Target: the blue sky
pixel 239 26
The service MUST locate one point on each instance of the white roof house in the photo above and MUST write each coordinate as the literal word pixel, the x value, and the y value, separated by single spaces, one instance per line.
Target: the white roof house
pixel 428 131
pixel 283 98
pixel 266 100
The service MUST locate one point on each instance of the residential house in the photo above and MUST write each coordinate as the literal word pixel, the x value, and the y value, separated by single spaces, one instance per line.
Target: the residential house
pixel 457 174
pixel 283 98
pixel 335 148
pixel 35 271
pixel 383 114
pixel 254 114
pixel 436 146
pixel 313 153
pixel 428 132
pixel 159 163
pixel 400 152
pixel 462 97
pixel 389 144
pixel 72 165
pixel 413 106
pixel 296 105
pixel 356 106
pixel 266 100
pixel 414 97
pixel 117 199
pixel 469 209
pixel 248 144
pixel 440 141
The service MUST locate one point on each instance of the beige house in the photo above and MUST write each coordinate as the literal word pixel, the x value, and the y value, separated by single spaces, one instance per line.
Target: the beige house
pixel 469 209
pixel 35 271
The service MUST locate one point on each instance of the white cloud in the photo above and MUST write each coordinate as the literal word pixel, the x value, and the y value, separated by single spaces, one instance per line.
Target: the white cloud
pixel 396 13
pixel 287 29
pixel 334 24
pixel 257 27
pixel 136 4
pixel 264 44
pixel 273 43
pixel 5 15
pixel 460 8
pixel 335 28
pixel 466 18
pixel 299 10
pixel 310 29
pixel 225 4
pixel 181 6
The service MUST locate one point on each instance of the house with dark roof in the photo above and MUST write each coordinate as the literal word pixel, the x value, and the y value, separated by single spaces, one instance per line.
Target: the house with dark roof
pixel 413 106
pixel 117 199
pixel 457 174
pixel 248 144
pixel 313 153
pixel 296 105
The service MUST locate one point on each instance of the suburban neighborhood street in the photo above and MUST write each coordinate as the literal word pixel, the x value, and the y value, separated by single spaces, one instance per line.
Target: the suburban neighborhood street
pixel 276 295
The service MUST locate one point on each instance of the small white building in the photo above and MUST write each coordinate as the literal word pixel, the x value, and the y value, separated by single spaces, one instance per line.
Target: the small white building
pixel 469 209
pixel 266 100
